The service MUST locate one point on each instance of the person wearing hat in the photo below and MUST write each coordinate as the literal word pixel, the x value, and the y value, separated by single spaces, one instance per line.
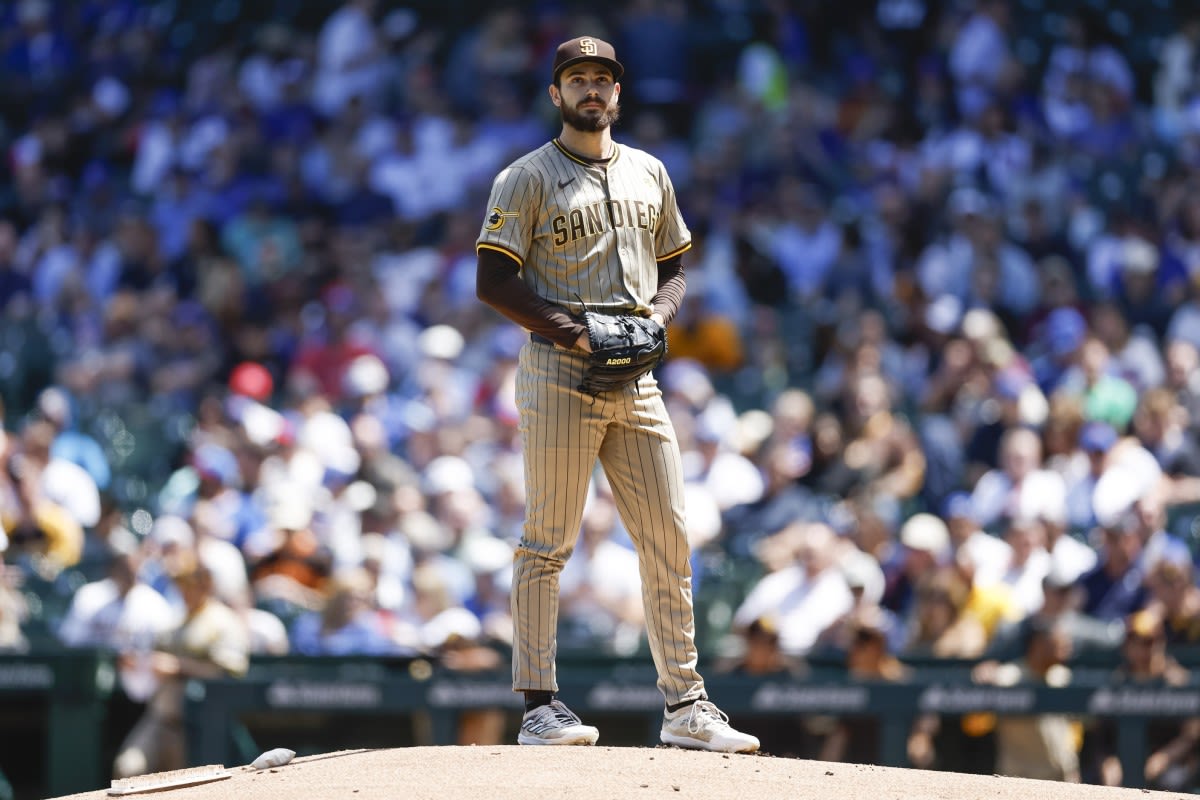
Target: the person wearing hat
pixel 1145 289
pixel 1173 743
pixel 1055 347
pixel 1095 440
pixel 987 554
pixel 585 223
pixel 925 542
pixel 868 658
pixel 1116 586
pixel 760 657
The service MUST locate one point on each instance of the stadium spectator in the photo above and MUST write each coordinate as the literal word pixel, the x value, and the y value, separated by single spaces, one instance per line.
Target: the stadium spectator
pixel 295 568
pixel 924 547
pixel 39 532
pixel 209 641
pixel 1095 439
pixel 326 351
pixel 760 656
pixel 1115 588
pixel 714 464
pixel 987 555
pixel 1136 356
pixel 119 612
pixel 937 625
pixel 346 623
pixel 1160 424
pixel 1176 598
pixel 783 502
pixel 349 58
pixel 13 607
pixel 15 283
pixel 1149 520
pixel 1028 564
pixel 1042 746
pixel 868 658
pixel 71 444
pixel 827 472
pixel 59 481
pixel 1020 487
pixel 864 577
pixel 1183 378
pixel 981 60
pixel 1172 743
pixel 805 597
pixel 1061 600
pixel 881 448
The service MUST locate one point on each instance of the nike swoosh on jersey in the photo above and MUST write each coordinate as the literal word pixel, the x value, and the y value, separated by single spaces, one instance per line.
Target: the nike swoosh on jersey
pixel 566 183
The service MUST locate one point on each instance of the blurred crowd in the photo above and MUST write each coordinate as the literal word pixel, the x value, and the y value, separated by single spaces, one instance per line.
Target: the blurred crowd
pixel 936 382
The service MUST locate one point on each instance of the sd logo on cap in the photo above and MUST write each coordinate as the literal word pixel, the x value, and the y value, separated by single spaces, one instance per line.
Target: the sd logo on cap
pixel 586 48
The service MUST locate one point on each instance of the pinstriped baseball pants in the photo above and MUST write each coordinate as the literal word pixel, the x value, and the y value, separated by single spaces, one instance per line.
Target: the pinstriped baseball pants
pixel 563 433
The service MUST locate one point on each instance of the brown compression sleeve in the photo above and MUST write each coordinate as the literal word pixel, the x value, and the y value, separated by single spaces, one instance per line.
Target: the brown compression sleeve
pixel 672 283
pixel 498 283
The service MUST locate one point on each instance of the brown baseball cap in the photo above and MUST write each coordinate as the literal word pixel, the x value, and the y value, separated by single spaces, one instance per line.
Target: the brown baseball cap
pixel 586 48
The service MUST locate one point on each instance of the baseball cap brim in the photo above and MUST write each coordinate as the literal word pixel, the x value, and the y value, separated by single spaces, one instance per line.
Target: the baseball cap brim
pixel 614 66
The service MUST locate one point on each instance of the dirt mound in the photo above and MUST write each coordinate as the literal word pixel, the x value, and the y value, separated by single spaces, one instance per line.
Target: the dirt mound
pixel 604 773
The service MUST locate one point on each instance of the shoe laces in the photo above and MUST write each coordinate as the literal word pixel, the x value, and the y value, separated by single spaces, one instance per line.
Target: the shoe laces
pixel 704 712
pixel 559 711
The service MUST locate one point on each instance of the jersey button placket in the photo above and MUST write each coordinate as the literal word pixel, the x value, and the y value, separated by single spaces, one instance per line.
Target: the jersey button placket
pixel 622 253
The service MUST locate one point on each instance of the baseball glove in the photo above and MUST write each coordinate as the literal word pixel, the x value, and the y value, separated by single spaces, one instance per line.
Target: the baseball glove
pixel 624 348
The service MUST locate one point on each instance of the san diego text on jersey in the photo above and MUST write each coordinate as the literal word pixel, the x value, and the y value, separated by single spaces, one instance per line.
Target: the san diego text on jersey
pixel 596 218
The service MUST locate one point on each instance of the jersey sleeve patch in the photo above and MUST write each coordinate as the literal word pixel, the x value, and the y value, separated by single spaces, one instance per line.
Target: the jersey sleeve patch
pixel 497 218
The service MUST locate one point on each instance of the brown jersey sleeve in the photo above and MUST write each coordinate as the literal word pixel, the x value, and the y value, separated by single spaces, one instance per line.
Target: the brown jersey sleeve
pixel 498 283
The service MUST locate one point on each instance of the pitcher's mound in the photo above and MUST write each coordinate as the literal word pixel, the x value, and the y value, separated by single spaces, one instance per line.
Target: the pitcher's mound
pixel 605 773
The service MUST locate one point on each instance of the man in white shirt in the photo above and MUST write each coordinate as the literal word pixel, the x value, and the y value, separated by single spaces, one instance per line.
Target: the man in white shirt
pixel 988 555
pixel 1029 565
pixel 805 598
pixel 117 612
pixel 1020 487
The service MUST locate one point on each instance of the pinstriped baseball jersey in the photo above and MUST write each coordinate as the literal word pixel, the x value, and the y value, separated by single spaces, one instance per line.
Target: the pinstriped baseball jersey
pixel 583 232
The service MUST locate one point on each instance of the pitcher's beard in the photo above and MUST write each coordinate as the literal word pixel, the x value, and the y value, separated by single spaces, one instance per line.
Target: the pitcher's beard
pixel 587 123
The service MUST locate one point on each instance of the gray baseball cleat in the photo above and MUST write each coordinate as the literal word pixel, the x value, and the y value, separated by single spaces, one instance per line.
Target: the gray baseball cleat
pixel 555 724
pixel 703 726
